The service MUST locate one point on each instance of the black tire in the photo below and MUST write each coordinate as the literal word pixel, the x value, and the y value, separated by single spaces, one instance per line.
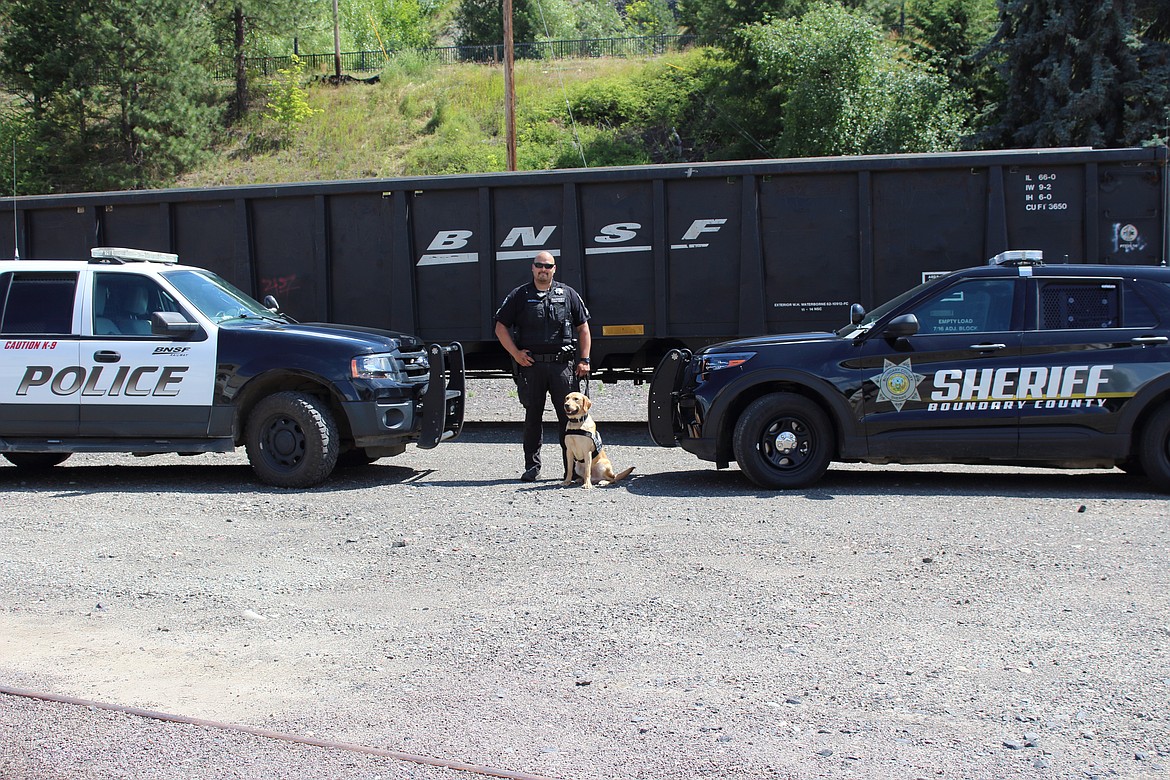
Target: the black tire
pixel 1154 449
pixel 292 440
pixel 35 461
pixel 806 448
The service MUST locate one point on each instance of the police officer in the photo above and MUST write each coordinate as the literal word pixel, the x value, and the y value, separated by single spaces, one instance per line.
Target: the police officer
pixel 538 323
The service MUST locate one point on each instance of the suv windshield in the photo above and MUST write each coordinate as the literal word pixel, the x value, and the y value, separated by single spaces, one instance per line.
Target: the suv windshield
pixel 871 317
pixel 216 298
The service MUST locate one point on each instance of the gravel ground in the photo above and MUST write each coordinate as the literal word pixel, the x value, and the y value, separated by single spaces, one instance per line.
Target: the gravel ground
pixel 893 622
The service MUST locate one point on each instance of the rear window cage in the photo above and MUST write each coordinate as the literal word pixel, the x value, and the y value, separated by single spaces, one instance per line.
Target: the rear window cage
pixel 1092 305
pixel 1076 306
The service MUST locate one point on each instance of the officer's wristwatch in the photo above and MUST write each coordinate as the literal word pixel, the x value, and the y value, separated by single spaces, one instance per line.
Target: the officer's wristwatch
pixel 584 360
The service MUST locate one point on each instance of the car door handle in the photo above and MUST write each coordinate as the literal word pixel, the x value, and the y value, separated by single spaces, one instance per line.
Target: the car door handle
pixel 988 347
pixel 1142 341
pixel 106 356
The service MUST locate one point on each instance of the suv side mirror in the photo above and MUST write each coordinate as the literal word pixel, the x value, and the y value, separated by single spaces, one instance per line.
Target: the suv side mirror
pixel 172 325
pixel 856 314
pixel 901 326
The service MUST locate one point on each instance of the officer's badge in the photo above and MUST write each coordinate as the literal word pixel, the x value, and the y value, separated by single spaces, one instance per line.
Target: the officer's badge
pixel 897 383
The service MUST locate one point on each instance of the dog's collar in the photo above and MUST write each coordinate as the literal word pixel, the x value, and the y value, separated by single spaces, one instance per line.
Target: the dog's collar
pixel 581 419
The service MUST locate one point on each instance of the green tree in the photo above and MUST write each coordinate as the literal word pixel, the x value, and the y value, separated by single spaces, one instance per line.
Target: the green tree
pixel 241 25
pixel 1153 18
pixel 599 19
pixel 841 86
pixel 548 19
pixel 1149 121
pixel 481 22
pixel 404 24
pixel 948 35
pixel 112 91
pixel 15 133
pixel 716 21
pixel 288 103
pixel 650 17
pixel 1071 73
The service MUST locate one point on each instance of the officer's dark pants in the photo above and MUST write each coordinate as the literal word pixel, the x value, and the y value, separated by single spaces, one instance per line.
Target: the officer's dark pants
pixel 539 381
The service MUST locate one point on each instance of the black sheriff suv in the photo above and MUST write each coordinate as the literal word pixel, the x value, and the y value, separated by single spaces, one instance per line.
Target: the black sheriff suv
pixel 129 351
pixel 1016 363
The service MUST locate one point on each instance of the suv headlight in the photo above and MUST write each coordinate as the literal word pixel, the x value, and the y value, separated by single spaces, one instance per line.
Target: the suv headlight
pixel 383 366
pixel 721 360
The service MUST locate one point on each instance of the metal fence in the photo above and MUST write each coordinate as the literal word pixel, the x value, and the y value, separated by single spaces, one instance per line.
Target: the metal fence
pixel 366 61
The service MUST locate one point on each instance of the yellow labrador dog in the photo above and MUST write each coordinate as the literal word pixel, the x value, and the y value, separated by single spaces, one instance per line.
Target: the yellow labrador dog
pixel 583 445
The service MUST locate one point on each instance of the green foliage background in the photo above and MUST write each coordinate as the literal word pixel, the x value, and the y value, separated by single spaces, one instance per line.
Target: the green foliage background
pixel 113 94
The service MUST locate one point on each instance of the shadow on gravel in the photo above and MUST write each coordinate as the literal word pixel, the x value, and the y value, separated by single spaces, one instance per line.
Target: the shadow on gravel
pixel 1023 484
pixel 731 483
pixel 66 480
pixel 628 434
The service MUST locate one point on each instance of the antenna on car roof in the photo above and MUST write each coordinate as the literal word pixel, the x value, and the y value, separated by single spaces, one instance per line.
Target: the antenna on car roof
pixel 15 220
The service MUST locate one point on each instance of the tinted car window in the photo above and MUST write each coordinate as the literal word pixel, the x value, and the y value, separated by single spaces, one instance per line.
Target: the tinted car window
pixel 39 303
pixel 1135 312
pixel 973 306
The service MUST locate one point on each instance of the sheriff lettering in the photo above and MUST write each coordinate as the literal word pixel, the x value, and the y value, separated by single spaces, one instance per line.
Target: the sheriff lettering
pixel 1001 384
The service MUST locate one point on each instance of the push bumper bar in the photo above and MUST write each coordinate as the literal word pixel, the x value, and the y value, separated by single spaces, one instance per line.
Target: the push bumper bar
pixel 444 399
pixel 663 406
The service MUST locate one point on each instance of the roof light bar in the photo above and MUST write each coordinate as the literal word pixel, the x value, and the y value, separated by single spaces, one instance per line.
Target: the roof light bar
pixel 1018 257
pixel 124 255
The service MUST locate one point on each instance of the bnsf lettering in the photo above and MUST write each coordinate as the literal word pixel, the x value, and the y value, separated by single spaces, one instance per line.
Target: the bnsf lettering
pixel 700 226
pixel 160 381
pixel 530 236
pixel 617 232
pixel 171 350
pixel 450 239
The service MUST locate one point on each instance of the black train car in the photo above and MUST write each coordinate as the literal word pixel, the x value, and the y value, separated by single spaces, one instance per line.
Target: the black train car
pixel 666 255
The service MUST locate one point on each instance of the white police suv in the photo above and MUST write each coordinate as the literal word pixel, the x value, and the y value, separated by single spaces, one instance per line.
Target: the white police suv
pixel 133 352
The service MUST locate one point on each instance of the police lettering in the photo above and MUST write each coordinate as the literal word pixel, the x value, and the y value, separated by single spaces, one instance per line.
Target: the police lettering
pixel 1035 382
pixel 161 381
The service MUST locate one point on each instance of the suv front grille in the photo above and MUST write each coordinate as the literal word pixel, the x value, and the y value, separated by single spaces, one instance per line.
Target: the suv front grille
pixel 415 364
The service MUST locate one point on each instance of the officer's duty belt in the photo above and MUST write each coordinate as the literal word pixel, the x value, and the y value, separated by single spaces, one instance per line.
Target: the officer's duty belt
pixel 551 357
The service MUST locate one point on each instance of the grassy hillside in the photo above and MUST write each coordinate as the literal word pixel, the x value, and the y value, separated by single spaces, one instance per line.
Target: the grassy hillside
pixel 423 118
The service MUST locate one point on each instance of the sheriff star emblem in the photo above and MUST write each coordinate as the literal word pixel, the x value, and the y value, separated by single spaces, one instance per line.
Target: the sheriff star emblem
pixel 897 383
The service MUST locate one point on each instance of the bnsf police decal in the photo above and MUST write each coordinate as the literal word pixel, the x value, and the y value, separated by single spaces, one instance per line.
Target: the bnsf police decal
pixel 171 350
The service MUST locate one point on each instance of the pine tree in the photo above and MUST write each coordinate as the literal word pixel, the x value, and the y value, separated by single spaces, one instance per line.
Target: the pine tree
pixel 1071 73
pixel 115 98
pixel 238 23
pixel 1149 121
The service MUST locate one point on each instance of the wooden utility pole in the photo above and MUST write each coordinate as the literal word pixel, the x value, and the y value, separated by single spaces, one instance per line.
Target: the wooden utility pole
pixel 336 45
pixel 509 88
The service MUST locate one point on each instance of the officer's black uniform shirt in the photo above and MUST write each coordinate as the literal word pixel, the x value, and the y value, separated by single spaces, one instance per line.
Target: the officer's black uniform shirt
pixel 538 319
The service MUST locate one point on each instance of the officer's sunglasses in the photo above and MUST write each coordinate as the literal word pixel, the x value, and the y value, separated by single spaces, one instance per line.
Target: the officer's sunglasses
pixel 545 265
